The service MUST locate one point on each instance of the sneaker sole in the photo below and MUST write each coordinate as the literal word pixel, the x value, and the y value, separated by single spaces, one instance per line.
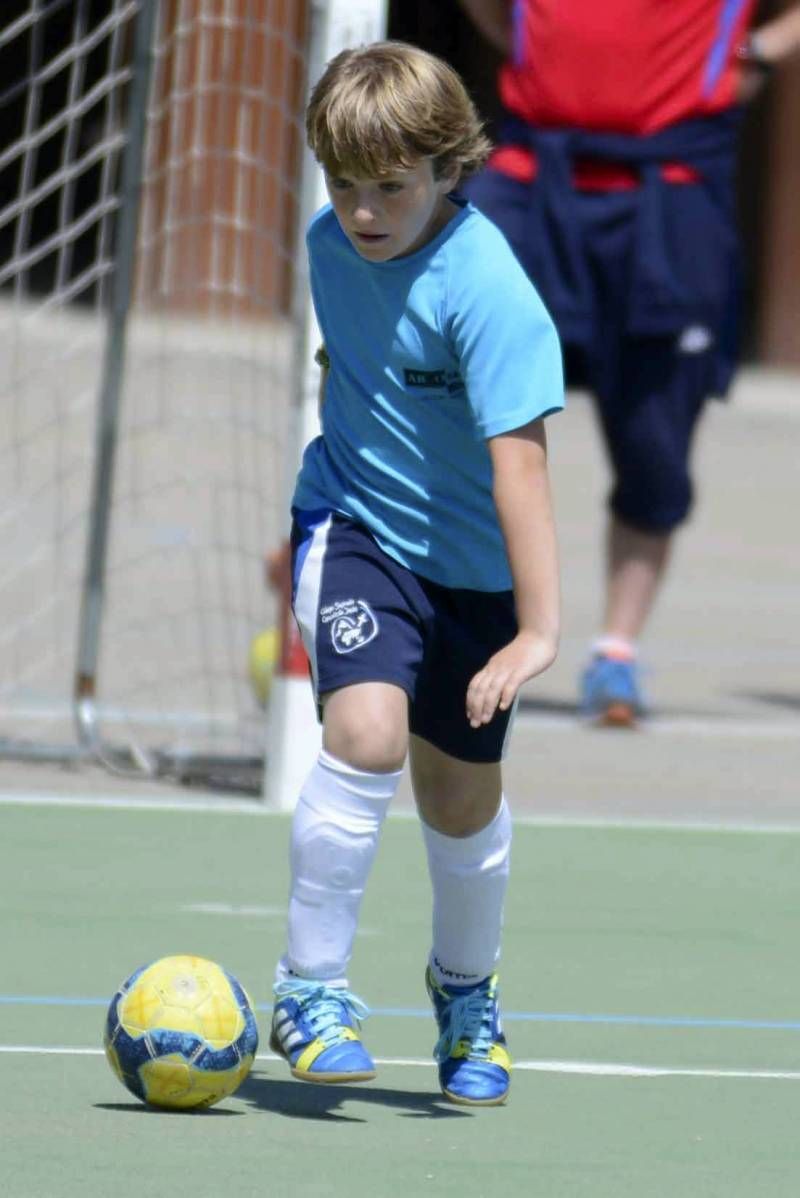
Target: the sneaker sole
pixel 364 1075
pixel 326 1079
pixel 460 1100
pixel 618 715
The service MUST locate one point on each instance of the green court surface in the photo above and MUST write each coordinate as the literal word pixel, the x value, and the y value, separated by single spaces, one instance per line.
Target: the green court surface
pixel 649 979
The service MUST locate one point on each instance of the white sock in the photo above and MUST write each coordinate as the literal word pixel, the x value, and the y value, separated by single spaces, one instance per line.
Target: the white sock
pixel 469 876
pixel 335 833
pixel 615 646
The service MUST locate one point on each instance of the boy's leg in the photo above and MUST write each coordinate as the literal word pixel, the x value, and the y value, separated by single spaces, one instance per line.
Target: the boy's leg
pixel 467 831
pixel 362 642
pixel 336 825
pixel 335 831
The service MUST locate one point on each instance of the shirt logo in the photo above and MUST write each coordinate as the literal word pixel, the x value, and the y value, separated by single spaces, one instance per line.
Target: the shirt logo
pixel 353 624
pixel 424 378
pixel 434 380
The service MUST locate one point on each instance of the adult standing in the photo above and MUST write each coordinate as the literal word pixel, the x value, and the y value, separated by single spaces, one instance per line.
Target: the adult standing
pixel 614 181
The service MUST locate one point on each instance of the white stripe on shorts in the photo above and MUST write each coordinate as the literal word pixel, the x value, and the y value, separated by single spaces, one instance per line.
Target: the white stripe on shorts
pixel 306 600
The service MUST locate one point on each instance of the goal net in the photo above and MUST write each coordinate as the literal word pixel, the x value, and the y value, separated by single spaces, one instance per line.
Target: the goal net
pixel 145 446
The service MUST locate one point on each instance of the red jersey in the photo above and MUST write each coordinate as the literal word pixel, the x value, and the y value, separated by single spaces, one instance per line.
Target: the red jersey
pixel 623 66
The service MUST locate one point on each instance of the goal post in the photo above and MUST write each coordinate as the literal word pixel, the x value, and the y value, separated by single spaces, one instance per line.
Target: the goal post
pixel 153 424
pixel 131 176
pixel 293 731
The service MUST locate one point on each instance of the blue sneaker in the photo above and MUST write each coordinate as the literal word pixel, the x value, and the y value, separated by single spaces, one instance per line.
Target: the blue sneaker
pixel 611 691
pixel 474 1065
pixel 316 1028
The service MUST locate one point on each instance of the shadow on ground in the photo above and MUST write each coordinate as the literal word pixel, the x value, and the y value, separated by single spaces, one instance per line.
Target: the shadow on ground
pixel 141 1108
pixel 301 1100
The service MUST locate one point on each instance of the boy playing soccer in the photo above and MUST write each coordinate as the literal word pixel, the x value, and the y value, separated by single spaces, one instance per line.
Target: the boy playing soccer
pixel 424 571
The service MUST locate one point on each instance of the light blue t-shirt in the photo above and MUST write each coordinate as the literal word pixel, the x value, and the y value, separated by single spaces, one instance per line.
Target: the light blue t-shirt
pixel 431 354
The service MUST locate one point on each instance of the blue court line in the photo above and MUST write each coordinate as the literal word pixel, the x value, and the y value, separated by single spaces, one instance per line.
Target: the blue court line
pixel 752 1025
pixel 771 1025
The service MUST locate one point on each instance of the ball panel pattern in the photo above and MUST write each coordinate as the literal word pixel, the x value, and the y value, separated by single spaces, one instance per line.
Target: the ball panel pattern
pixel 181 1033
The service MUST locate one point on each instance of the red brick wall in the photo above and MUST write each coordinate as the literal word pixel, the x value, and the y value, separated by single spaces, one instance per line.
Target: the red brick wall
pixel 219 213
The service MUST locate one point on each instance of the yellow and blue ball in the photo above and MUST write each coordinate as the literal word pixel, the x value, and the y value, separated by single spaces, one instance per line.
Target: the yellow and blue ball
pixel 181 1033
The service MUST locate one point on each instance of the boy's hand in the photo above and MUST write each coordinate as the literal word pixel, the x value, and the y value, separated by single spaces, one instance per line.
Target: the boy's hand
pixel 496 685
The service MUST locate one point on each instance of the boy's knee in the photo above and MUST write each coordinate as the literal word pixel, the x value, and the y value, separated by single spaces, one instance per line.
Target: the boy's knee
pixel 459 816
pixel 366 726
pixel 376 742
pixel 457 803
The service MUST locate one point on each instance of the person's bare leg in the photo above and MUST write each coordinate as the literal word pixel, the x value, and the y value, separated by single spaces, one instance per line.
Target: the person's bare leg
pixel 455 798
pixel 635 565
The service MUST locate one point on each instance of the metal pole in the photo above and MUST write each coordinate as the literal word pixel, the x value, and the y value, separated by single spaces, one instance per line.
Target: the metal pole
pixel 293 735
pixel 111 381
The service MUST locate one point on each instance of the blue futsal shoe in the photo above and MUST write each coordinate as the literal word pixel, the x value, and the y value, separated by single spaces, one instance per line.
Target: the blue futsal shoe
pixel 611 691
pixel 474 1065
pixel 316 1028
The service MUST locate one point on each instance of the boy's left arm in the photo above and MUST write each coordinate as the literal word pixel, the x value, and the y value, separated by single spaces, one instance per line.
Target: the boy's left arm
pixel 524 509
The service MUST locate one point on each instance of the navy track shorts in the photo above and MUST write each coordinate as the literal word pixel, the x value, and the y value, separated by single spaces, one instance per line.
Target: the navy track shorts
pixel 364 617
pixel 649 390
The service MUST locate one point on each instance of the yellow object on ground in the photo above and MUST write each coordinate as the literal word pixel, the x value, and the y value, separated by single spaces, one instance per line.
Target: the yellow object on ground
pixel 265 651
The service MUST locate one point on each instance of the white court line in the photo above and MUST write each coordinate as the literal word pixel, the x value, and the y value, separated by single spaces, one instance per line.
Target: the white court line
pixel 244 910
pixel 223 806
pixel 579 1068
pixel 144 802
pixel 253 911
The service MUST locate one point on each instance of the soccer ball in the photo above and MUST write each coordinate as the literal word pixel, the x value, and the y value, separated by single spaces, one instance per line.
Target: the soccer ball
pixel 262 659
pixel 181 1033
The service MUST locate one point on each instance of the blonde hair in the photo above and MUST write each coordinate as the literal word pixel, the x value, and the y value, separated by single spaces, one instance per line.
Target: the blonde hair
pixel 385 107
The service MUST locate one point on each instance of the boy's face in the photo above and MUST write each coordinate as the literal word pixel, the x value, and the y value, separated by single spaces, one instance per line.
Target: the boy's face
pixel 394 215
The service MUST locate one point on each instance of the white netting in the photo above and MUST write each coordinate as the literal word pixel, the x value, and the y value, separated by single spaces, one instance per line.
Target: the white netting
pixel 199 484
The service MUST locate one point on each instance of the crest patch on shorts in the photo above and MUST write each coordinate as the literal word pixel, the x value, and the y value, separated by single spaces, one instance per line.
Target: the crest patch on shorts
pixel 353 624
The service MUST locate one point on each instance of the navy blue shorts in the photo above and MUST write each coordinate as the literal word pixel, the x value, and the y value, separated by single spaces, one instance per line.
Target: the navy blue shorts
pixel 364 617
pixel 649 390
